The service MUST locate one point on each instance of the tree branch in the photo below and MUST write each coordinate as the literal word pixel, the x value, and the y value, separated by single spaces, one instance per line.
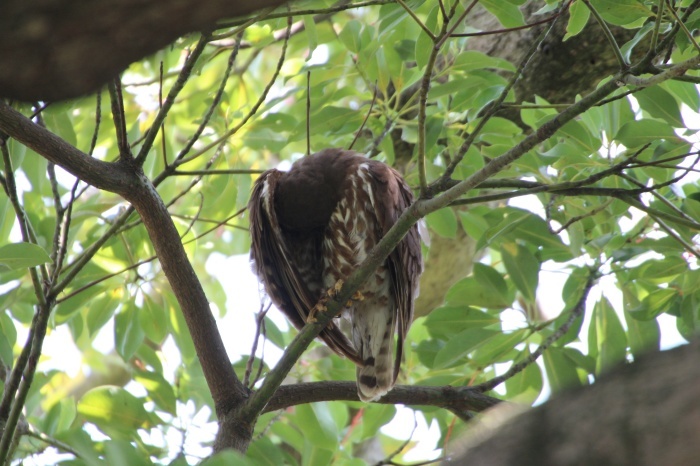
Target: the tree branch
pixel 452 398
pixel 226 389
pixel 103 175
pixel 49 54
pixel 128 180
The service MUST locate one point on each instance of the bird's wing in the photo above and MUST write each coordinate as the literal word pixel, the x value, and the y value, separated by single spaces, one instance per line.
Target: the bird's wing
pixel 393 196
pixel 273 264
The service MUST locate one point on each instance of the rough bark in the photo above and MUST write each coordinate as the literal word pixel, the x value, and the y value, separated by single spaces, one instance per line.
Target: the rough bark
pixel 59 49
pixel 561 69
pixel 644 413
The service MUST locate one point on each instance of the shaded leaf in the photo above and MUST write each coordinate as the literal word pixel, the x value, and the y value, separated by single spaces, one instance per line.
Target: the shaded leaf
pixel 22 255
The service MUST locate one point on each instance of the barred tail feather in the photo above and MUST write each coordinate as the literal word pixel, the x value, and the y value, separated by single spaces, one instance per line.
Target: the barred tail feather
pixel 373 334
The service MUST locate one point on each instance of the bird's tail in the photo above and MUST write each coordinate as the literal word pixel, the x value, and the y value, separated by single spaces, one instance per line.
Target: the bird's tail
pixel 373 336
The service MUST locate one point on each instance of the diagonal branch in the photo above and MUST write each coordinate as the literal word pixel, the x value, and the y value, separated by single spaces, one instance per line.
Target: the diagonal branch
pixel 112 177
pixel 576 312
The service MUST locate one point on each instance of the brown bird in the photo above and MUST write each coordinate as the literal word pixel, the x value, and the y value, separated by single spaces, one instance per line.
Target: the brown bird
pixel 311 227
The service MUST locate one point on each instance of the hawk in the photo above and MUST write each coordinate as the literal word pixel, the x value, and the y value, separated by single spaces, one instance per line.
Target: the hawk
pixel 311 227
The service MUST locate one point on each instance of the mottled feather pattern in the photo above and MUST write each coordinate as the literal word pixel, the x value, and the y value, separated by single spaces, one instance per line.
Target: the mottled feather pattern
pixel 312 226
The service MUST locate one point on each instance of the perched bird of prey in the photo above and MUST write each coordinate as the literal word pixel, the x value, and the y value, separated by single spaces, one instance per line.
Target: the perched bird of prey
pixel 311 227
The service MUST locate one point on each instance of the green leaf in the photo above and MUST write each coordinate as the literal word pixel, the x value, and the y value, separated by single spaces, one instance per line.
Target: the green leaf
pixel 375 417
pixel 526 385
pixel 610 336
pixel 486 288
pixel 468 60
pixel 22 255
pixel 101 310
pixel 128 334
pixel 660 104
pixel 350 36
pixel 153 318
pixel 443 222
pixel 159 390
pixel 264 452
pixel 621 12
pixel 273 334
pixel 533 229
pixel 424 44
pixel 577 134
pixel 315 455
pixel 686 92
pixel 643 335
pixel 60 417
pixel 461 345
pixel 561 370
pixel 444 322
pixel 507 13
pixel 639 132
pixel 114 410
pixel 474 225
pixel 498 345
pixel 511 220
pixel 8 338
pixel 578 18
pixel 228 458
pixel 316 419
pixel 334 119
pixel 57 120
pixel 311 35
pixel 659 270
pixel 123 453
pixel 523 268
pixel 654 303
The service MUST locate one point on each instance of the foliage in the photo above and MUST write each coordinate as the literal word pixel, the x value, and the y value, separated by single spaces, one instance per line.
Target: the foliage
pixel 608 176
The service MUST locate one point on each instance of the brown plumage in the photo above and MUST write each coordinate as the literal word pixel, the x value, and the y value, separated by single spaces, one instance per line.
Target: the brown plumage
pixel 311 227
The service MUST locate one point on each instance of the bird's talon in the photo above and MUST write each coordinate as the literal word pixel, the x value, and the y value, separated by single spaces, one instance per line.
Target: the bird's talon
pixel 311 318
pixel 333 292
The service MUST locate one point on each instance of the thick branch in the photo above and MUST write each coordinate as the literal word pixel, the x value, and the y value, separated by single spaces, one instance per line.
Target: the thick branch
pixel 645 413
pixel 57 50
pixel 226 390
pixel 103 175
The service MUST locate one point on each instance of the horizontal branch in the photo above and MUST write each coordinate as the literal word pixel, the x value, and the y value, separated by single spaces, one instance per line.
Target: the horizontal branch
pixel 216 172
pixel 671 73
pixel 452 398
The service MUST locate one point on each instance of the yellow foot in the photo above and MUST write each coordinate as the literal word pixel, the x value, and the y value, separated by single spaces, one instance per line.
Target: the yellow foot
pixel 358 296
pixel 321 304
pixel 333 291
pixel 319 307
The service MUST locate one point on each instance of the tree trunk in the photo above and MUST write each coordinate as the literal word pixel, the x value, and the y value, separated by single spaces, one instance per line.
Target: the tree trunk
pixel 644 413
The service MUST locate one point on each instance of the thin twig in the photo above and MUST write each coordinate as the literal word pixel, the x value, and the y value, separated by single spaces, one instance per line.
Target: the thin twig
pixel 259 323
pixel 214 104
pixel 364 122
pixel 608 35
pixel 118 116
pixel 308 112
pixel 416 19
pixel 688 34
pixel 576 312
pixel 253 110
pixel 490 112
pixel 182 78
